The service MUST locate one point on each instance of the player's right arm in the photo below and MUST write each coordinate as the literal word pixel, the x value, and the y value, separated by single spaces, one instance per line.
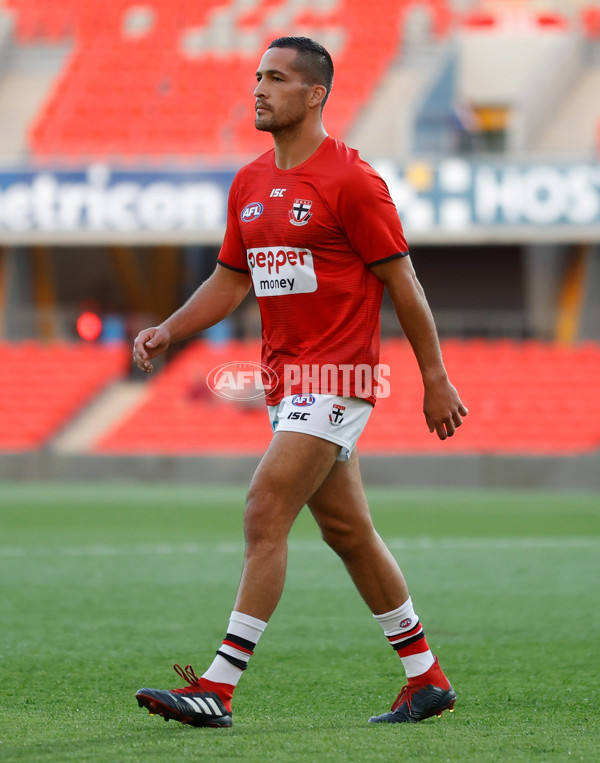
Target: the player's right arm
pixel 214 300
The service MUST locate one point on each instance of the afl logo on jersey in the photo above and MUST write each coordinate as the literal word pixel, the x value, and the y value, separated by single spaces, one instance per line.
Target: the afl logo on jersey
pixel 251 211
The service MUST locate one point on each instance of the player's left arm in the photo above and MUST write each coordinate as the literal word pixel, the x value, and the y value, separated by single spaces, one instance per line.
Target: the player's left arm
pixel 442 406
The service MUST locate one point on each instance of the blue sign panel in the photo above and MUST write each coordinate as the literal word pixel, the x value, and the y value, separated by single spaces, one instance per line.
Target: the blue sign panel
pixel 449 196
pixel 455 194
pixel 99 199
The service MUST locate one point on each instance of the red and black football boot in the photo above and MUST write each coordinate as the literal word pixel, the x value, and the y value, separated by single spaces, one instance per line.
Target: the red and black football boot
pixel 195 704
pixel 423 697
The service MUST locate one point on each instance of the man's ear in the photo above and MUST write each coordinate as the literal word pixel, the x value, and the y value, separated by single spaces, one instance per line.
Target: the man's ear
pixel 317 95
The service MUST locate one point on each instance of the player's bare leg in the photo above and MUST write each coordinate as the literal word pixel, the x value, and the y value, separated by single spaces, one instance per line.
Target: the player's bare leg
pixel 341 510
pixel 291 470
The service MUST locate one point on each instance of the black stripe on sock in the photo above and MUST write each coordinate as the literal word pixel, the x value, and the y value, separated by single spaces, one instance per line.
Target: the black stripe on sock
pixel 409 641
pixel 239 641
pixel 233 660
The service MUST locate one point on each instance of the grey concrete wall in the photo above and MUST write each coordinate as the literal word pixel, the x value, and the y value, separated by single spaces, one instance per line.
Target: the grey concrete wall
pixel 475 472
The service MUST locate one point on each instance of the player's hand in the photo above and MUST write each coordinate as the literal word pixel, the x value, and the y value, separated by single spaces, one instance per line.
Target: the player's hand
pixel 443 409
pixel 148 344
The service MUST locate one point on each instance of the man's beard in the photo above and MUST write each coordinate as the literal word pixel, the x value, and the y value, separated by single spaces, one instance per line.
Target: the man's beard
pixel 287 123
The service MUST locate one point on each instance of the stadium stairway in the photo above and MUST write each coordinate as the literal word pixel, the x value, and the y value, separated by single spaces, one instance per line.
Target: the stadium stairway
pixel 105 410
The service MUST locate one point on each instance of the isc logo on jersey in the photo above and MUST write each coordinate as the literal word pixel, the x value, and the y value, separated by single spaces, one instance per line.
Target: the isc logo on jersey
pixel 281 270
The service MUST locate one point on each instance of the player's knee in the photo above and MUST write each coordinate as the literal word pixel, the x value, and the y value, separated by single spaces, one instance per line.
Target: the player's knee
pixel 262 523
pixel 344 538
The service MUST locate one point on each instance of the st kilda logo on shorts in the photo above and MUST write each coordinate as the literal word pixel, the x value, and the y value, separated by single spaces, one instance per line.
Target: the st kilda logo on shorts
pixel 300 212
pixel 336 416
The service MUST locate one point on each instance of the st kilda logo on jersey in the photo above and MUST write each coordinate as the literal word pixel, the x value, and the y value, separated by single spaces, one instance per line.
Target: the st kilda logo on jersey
pixel 300 212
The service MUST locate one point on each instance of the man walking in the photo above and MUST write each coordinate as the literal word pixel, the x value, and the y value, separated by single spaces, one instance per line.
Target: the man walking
pixel 313 229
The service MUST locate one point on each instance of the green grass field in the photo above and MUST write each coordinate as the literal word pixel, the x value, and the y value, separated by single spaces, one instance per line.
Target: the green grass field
pixel 105 587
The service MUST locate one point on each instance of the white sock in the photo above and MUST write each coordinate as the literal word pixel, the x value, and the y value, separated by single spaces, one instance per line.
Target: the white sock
pixel 405 633
pixel 238 646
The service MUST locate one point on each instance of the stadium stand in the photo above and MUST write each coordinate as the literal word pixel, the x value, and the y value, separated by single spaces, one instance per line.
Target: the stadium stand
pixel 148 79
pixel 163 79
pixel 145 80
pixel 524 397
pixel 576 21
pixel 528 397
pixel 43 386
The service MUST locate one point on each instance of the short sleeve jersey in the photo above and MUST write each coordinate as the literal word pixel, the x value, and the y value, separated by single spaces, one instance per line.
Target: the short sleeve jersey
pixel 308 237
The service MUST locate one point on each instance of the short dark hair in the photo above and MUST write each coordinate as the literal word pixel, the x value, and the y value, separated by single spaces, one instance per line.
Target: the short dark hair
pixel 312 61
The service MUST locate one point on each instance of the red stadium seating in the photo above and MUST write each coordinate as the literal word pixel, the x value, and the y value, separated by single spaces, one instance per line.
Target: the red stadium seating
pixel 181 415
pixel 142 95
pixel 524 398
pixel 527 398
pixel 43 386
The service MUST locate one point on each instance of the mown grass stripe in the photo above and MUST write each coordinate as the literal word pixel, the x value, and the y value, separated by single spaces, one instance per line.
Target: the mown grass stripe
pixel 309 546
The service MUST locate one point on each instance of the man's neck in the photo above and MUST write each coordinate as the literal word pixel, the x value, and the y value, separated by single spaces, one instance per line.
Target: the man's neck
pixel 292 150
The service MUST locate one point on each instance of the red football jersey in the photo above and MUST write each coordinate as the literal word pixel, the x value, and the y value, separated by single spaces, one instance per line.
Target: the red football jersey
pixel 308 236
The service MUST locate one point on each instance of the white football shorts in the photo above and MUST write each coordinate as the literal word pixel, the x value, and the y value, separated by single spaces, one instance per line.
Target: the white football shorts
pixel 330 417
